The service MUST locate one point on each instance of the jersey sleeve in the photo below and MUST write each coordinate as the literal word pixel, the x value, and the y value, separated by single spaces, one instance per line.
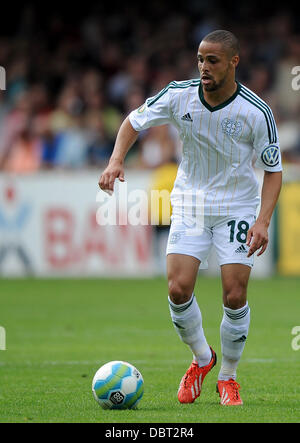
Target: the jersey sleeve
pixel 154 112
pixel 266 143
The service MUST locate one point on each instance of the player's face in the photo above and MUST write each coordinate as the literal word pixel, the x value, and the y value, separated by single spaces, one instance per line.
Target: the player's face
pixel 215 65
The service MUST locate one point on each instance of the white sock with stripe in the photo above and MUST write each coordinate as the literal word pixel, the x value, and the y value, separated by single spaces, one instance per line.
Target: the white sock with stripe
pixel 187 321
pixel 234 331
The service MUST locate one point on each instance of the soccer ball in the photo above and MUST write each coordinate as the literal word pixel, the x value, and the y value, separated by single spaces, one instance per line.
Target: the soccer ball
pixel 118 385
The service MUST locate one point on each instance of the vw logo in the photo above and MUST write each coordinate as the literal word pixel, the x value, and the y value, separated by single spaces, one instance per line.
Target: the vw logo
pixel 270 155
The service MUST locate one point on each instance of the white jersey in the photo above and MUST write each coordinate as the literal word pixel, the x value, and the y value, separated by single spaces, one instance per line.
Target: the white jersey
pixel 218 144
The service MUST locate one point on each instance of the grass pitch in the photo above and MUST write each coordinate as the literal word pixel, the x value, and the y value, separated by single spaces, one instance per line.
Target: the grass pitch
pixel 59 332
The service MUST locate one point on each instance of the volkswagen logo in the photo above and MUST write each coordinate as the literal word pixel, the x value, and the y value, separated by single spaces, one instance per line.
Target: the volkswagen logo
pixel 270 155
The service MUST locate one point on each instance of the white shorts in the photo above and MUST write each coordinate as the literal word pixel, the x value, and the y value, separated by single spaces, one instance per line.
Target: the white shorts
pixel 227 234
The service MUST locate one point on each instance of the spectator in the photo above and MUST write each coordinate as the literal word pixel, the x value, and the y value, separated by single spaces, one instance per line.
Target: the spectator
pixel 71 80
pixel 157 147
pixel 24 155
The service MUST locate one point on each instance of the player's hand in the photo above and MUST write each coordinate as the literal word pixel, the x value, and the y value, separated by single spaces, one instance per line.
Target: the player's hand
pixel 257 238
pixel 115 169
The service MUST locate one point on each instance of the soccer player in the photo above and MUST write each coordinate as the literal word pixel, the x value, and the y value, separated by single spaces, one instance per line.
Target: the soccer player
pixel 224 126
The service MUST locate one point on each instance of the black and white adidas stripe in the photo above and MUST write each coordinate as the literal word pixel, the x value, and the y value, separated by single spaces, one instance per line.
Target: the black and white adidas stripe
pixel 181 308
pixel 252 98
pixel 173 85
pixel 238 315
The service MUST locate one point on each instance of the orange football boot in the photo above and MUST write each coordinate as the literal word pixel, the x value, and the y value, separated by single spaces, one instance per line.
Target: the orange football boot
pixel 191 383
pixel 229 392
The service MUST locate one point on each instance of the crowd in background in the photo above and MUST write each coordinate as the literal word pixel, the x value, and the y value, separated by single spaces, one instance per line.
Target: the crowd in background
pixel 71 78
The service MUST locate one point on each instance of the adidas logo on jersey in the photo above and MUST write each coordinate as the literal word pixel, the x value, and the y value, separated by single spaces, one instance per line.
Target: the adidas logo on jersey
pixel 187 117
pixel 241 250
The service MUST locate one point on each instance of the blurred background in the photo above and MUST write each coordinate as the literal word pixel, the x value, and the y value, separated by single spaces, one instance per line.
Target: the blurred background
pixel 73 73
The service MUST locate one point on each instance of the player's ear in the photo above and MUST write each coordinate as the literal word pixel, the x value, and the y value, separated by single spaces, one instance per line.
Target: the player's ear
pixel 235 60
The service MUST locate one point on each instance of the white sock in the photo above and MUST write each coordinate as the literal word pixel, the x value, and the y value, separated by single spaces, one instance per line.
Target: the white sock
pixel 234 331
pixel 187 321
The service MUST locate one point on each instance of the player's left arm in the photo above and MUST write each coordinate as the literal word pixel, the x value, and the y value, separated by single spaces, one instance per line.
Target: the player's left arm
pixel 257 237
pixel 266 145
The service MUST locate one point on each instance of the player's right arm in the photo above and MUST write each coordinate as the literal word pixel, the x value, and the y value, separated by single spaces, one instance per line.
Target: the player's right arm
pixel 154 112
pixel 115 169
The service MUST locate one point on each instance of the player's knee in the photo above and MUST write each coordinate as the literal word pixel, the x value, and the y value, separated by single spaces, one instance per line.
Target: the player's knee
pixel 179 293
pixel 235 298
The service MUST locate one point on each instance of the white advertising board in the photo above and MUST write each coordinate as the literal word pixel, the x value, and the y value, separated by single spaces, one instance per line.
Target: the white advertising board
pixel 49 227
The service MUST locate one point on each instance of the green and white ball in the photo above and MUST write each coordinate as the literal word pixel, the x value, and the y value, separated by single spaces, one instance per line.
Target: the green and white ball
pixel 118 385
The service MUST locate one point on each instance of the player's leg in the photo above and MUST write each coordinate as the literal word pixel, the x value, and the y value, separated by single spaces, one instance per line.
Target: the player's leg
pixel 186 316
pixel 229 240
pixel 236 317
pixel 234 330
pixel 187 320
pixel 182 271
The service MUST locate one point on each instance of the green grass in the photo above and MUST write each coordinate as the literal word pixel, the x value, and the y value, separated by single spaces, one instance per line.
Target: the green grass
pixel 59 332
